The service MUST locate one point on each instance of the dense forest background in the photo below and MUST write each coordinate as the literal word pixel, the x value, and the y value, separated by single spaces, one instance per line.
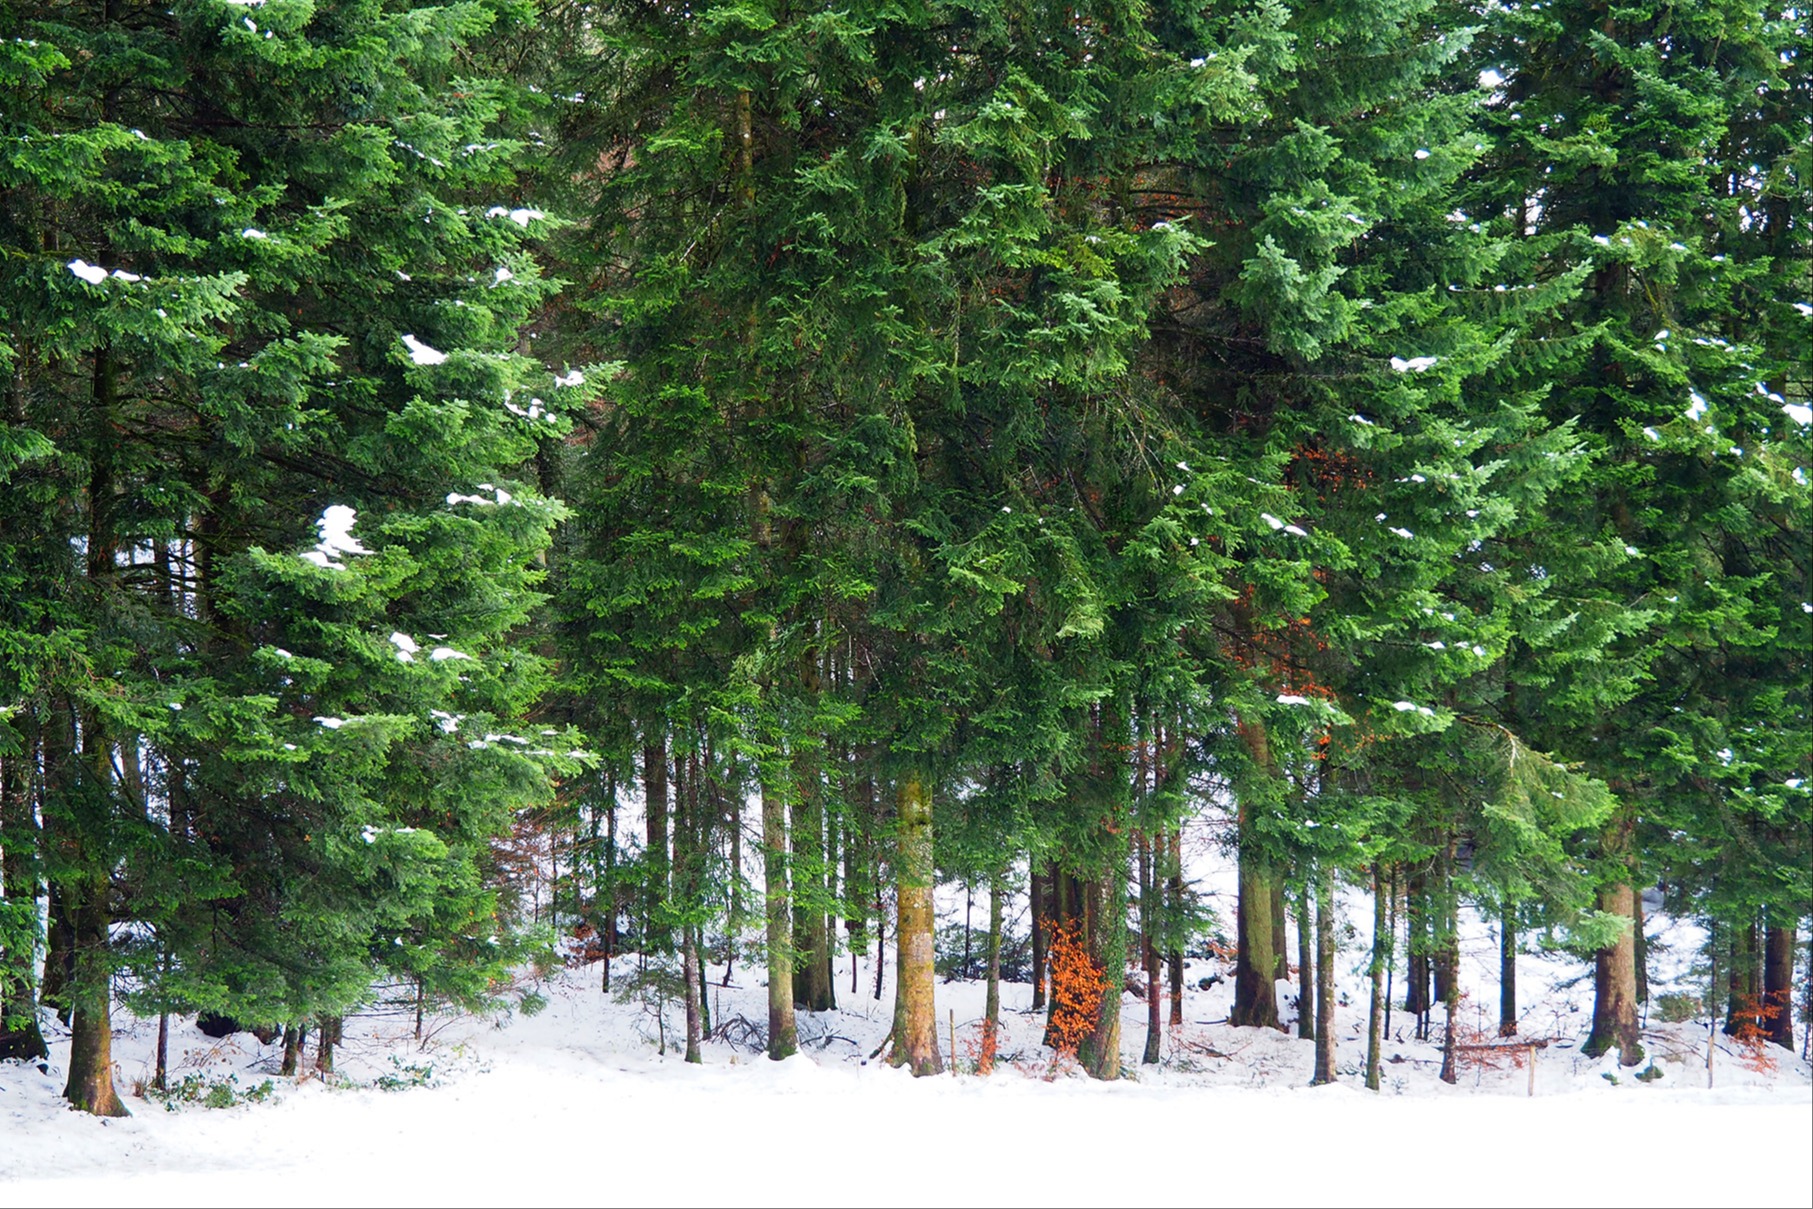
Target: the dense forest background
pixel 735 466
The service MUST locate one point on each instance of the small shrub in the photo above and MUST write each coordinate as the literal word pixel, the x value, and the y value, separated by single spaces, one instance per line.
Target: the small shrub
pixel 404 1075
pixel 1679 1009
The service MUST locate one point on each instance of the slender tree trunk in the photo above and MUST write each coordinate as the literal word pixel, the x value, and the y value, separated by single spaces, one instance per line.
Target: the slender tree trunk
pixel 1778 984
pixel 1507 970
pixel 1391 940
pixel 1040 893
pixel 783 1037
pixel 1640 945
pixel 1306 1015
pixel 991 1011
pixel 1325 977
pixel 1381 957
pixel 292 1051
pixel 328 1030
pixel 20 1036
pixel 916 1021
pixel 1416 932
pixel 813 987
pixel 1148 922
pixel 654 787
pixel 1174 916
pixel 1740 1003
pixel 689 972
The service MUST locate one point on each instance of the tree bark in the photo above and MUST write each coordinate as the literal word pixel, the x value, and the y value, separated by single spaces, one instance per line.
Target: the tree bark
pixel 1741 980
pixel 783 1036
pixel 689 973
pixel 916 1021
pixel 654 787
pixel 991 1011
pixel 1174 915
pixel 1255 992
pixel 1381 955
pixel 90 1087
pixel 1615 987
pixel 1778 984
pixel 1306 1015
pixel 20 1036
pixel 1148 922
pixel 1041 913
pixel 1325 977
pixel 1507 970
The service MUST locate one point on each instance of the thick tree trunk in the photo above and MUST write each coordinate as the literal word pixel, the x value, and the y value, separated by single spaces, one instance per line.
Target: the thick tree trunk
pixel 1641 945
pixel 292 1050
pixel 90 1087
pixel 1615 988
pixel 783 1036
pixel 1507 970
pixel 1255 992
pixel 1381 956
pixel 1325 977
pixel 1260 953
pixel 1306 1015
pixel 916 1020
pixel 1778 984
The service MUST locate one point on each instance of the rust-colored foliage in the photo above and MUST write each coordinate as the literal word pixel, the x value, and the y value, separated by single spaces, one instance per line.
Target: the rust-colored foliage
pixel 1077 985
pixel 1752 1033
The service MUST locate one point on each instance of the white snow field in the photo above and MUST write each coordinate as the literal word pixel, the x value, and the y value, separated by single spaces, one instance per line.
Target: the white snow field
pixel 576 1106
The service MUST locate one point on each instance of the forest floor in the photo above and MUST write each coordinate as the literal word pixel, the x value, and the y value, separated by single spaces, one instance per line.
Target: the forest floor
pixel 579 1103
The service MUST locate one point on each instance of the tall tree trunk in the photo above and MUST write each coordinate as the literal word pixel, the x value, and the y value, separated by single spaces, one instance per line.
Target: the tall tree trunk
pixel 690 974
pixel 813 986
pixel 292 1051
pixel 1507 970
pixel 20 1036
pixel 654 789
pixel 783 1036
pixel 1255 993
pixel 1640 945
pixel 1615 987
pixel 1148 923
pixel 1325 977
pixel 1381 957
pixel 1742 985
pixel 328 1030
pixel 916 1020
pixel 1040 892
pixel 991 1010
pixel 1306 1015
pixel 90 1087
pixel 1416 932
pixel 1256 963
pixel 1778 984
pixel 1174 917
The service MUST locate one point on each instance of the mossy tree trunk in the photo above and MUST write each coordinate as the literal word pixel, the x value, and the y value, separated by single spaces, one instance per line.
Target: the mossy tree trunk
pixel 915 1015
pixel 783 1035
pixel 1325 977
pixel 1381 956
pixel 991 1010
pixel 1615 1020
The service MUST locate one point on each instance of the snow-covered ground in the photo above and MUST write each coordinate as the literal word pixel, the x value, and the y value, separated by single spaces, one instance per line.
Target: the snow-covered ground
pixel 575 1105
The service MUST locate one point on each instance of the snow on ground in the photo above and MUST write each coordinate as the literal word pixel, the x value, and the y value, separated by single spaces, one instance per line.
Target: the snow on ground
pixel 577 1104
